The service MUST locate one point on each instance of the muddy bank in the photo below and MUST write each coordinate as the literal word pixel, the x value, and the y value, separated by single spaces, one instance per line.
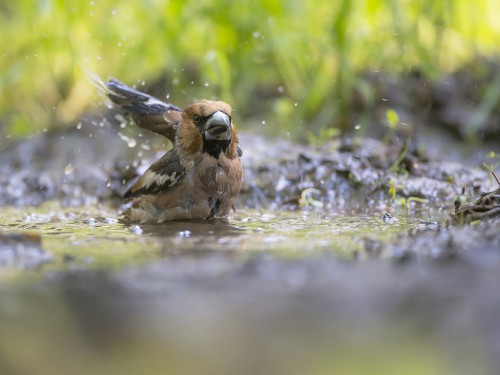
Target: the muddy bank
pixel 96 161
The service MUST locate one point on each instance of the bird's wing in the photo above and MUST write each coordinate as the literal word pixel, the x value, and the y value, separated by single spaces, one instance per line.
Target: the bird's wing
pixel 147 111
pixel 161 176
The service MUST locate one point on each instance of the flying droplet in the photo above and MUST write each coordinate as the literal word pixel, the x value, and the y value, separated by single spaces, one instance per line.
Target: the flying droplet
pixel 68 169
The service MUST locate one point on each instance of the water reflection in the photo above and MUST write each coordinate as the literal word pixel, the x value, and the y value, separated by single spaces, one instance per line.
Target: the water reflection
pixel 196 228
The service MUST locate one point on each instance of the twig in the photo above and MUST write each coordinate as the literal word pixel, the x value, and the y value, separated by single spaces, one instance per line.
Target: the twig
pixel 496 178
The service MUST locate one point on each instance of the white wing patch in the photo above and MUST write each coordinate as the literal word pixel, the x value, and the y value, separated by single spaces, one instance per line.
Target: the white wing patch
pixel 153 101
pixel 151 178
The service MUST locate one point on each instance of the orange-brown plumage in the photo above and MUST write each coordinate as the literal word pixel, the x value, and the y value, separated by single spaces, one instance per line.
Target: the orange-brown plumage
pixel 201 176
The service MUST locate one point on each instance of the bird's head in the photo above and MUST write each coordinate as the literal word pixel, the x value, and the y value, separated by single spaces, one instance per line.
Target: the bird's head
pixel 206 126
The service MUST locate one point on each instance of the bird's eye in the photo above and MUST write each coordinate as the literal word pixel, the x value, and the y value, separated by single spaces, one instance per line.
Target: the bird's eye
pixel 196 119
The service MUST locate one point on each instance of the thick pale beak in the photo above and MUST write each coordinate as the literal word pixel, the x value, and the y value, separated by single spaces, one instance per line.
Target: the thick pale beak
pixel 218 127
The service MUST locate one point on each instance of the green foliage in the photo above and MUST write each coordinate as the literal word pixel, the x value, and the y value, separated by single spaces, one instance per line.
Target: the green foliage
pixel 392 118
pixel 395 167
pixel 294 63
pixel 402 201
pixel 307 198
pixel 492 163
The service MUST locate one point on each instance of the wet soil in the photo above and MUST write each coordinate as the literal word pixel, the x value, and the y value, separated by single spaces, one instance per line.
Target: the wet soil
pixel 339 259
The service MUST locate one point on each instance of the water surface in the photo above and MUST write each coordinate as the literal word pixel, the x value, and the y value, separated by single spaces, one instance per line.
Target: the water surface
pixel 96 237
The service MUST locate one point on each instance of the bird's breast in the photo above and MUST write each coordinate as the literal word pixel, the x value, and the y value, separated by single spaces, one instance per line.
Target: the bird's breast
pixel 219 178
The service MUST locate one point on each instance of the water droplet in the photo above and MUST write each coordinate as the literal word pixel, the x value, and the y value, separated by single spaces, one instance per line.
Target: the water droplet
pixel 185 233
pixel 263 122
pixel 131 142
pixel 69 169
pixel 206 84
pixel 357 127
pixel 389 218
pixel 256 34
pixel 136 229
pixel 79 125
pixel 295 104
pixel 91 221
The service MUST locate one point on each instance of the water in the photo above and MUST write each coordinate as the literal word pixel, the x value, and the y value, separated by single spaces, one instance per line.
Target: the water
pixel 263 292
pixel 92 237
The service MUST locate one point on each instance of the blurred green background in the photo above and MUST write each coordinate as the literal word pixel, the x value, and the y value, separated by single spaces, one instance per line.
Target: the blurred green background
pixel 287 65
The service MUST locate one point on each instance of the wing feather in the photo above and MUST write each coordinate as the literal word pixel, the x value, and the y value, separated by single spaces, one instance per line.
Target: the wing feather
pixel 147 111
pixel 161 176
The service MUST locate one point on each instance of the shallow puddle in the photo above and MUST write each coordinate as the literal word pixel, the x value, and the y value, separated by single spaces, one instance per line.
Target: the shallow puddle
pixel 89 237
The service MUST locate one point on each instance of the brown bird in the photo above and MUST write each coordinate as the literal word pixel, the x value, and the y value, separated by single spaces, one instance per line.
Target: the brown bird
pixel 201 176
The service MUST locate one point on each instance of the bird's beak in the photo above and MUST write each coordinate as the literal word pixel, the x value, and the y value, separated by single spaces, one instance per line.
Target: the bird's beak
pixel 218 127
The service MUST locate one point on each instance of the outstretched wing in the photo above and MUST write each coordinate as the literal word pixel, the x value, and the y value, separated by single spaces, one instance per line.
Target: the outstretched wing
pixel 147 111
pixel 162 175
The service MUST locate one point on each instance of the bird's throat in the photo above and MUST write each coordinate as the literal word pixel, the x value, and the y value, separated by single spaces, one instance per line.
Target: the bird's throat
pixel 214 147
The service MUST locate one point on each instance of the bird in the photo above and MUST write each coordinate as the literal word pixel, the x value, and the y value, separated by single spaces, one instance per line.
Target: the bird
pixel 201 176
